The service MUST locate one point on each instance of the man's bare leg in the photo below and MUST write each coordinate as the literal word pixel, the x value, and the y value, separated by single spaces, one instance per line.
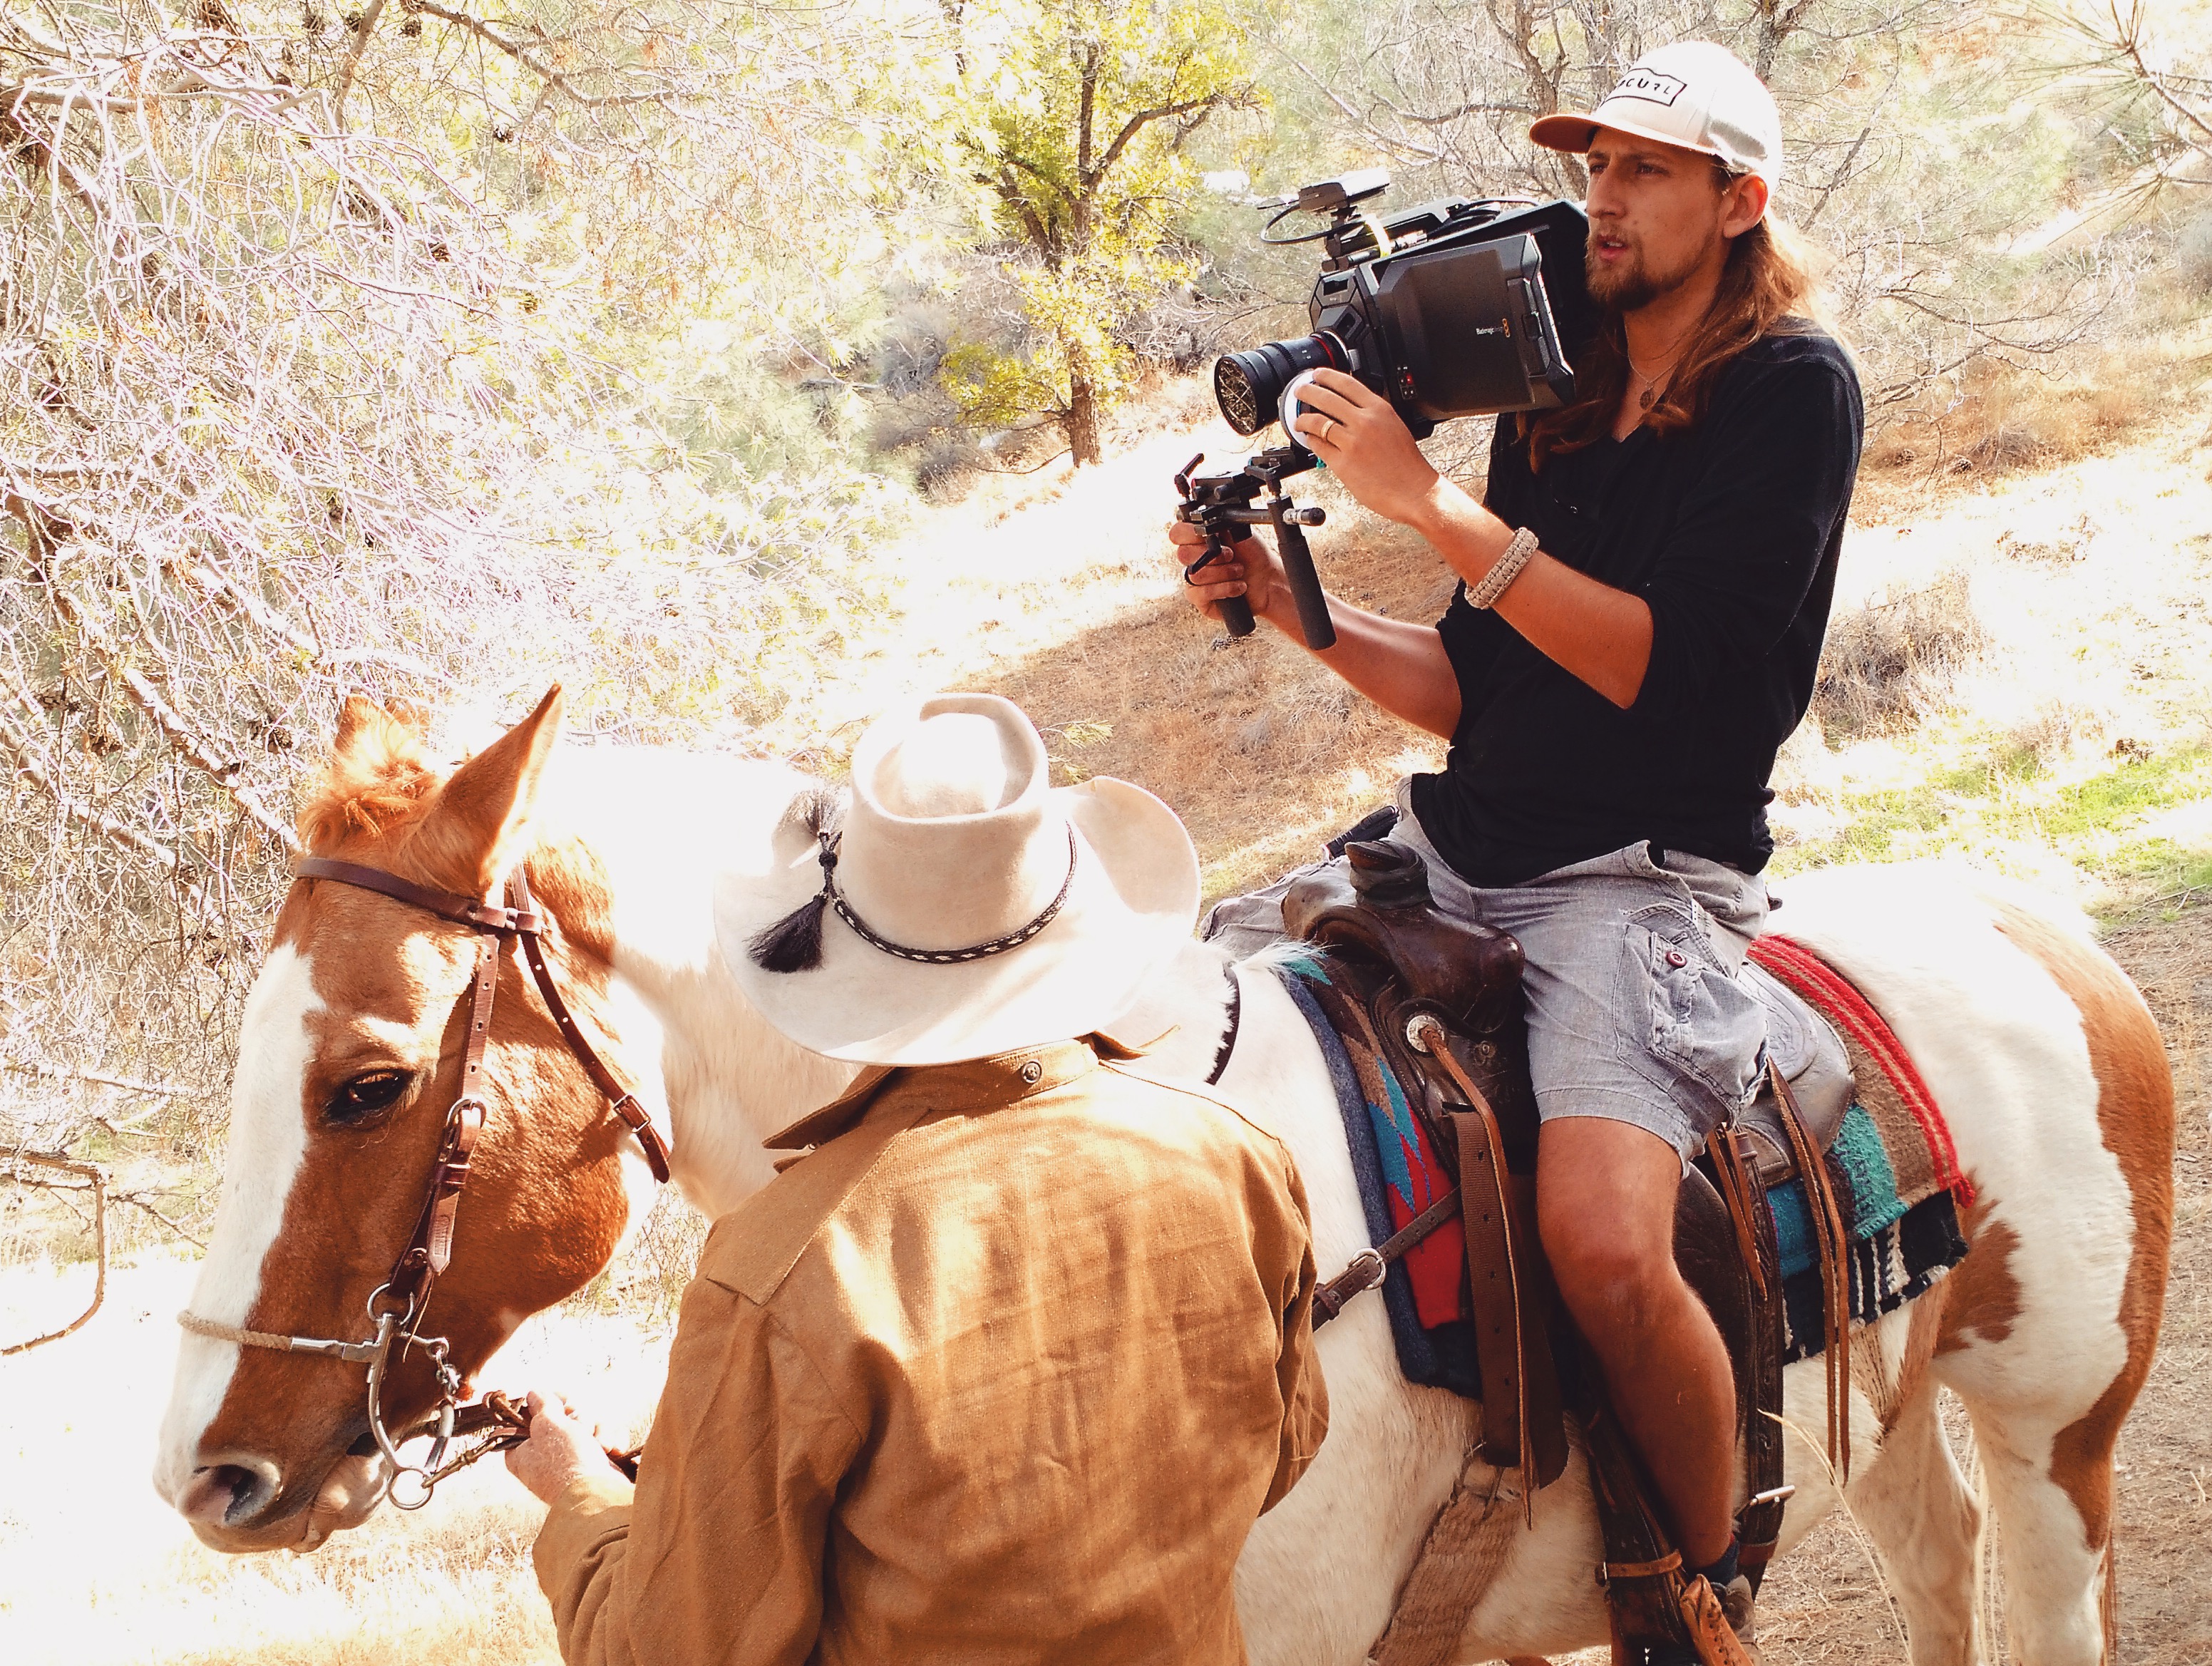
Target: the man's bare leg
pixel 1605 1205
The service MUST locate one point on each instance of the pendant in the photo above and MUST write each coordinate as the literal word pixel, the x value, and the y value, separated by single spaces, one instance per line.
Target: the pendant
pixel 1648 393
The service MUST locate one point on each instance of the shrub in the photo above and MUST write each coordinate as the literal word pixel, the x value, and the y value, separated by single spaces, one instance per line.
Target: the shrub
pixel 2193 256
pixel 1891 662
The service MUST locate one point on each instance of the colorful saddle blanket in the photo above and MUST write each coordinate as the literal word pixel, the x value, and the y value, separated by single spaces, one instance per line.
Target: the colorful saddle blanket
pixel 1894 1170
pixel 1895 1174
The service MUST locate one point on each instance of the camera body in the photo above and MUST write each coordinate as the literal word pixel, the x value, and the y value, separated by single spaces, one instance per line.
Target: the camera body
pixel 1455 308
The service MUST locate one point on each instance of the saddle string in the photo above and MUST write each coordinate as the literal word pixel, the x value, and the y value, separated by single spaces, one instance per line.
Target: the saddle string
pixel 1832 1244
pixel 396 1306
pixel 1428 1032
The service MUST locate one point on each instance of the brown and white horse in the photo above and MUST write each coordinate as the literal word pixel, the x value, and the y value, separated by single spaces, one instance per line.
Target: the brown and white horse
pixel 2041 1053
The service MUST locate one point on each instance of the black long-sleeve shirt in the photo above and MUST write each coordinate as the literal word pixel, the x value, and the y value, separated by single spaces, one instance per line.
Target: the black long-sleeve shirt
pixel 1729 531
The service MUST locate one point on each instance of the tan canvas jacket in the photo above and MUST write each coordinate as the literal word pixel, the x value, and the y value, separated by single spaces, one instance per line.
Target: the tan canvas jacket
pixel 1003 1371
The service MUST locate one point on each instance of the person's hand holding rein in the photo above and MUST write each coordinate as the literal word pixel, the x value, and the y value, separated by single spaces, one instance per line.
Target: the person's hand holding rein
pixel 560 1448
pixel 1367 446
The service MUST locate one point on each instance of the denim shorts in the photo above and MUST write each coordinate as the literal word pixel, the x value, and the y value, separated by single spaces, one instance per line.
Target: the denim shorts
pixel 1635 1011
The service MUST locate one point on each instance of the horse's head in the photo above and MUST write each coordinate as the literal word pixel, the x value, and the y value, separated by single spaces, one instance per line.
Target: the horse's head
pixel 350 1058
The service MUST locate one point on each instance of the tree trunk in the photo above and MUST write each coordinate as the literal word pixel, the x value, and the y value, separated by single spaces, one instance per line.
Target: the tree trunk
pixel 1081 422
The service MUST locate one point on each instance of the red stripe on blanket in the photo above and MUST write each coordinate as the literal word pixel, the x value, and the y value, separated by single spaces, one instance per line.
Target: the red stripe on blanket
pixel 1437 1264
pixel 1838 998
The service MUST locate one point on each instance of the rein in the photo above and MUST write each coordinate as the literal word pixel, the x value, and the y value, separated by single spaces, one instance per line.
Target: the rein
pixel 395 1308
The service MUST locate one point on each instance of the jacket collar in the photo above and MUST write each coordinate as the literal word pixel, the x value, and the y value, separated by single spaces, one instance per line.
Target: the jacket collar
pixel 1004 1079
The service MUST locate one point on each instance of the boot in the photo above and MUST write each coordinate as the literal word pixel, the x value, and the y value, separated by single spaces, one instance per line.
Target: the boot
pixel 1735 1605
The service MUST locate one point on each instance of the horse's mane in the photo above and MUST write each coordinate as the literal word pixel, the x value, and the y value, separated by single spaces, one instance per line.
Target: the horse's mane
pixel 379 777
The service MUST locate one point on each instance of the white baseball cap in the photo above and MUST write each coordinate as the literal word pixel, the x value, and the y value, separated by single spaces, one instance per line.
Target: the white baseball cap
pixel 1694 94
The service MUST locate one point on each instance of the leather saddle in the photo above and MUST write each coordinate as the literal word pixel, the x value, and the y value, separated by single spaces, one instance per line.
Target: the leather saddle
pixel 1444 1001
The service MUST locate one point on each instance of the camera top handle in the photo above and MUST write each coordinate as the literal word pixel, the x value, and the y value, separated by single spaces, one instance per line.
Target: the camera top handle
pixel 1351 231
pixel 1218 502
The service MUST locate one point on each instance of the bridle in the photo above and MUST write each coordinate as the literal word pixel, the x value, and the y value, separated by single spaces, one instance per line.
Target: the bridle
pixel 397 1306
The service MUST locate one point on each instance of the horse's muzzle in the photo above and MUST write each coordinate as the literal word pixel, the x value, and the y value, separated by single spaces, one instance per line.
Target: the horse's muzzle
pixel 239 1505
pixel 230 1494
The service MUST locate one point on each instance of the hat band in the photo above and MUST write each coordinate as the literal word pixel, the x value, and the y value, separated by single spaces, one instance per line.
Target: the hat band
pixel 1012 940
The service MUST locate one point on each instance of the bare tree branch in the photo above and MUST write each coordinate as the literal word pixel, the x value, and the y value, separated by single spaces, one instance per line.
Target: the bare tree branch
pixel 129 1084
pixel 362 28
pixel 96 1179
pixel 139 1202
pixel 222 771
pixel 32 764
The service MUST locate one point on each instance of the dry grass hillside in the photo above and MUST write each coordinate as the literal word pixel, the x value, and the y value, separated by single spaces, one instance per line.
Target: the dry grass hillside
pixel 2023 650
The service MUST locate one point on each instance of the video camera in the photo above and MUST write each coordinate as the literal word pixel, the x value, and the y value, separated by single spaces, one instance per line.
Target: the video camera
pixel 1457 308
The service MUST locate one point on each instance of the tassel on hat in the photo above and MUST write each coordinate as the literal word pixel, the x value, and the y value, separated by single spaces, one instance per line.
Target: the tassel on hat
pixel 793 944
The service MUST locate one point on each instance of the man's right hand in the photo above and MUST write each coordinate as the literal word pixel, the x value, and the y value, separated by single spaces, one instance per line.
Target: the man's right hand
pixel 1399 664
pixel 1249 568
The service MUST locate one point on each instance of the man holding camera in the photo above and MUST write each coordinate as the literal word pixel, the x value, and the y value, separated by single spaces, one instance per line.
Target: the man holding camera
pixel 1644 589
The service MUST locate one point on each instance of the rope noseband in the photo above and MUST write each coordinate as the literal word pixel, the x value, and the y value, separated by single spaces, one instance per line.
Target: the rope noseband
pixel 396 1306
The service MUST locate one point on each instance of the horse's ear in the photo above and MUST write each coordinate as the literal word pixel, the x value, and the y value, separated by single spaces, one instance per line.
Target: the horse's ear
pixel 358 717
pixel 361 718
pixel 481 825
pixel 410 716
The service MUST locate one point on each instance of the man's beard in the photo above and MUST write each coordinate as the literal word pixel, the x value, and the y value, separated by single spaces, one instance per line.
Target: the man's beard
pixel 1628 285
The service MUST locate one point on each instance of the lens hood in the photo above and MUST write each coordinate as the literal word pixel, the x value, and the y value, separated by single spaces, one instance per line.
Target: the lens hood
pixel 1249 386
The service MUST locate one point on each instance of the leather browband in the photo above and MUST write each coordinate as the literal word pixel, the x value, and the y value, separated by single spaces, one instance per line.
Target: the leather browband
pixel 445 904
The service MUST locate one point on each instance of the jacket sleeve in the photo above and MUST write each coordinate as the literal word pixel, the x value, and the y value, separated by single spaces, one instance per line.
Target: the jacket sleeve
pixel 718 1556
pixel 1753 531
pixel 1298 1371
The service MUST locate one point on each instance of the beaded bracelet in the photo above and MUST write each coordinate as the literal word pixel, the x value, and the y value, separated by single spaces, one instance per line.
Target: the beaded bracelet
pixel 1503 571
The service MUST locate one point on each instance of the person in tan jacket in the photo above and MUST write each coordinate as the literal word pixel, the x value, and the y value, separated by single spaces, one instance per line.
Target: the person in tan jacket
pixel 1004 1367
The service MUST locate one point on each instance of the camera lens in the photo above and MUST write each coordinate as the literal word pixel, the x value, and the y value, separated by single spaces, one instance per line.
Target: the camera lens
pixel 1249 386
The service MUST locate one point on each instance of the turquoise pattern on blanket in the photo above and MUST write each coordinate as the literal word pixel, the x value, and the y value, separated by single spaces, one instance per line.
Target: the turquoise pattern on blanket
pixel 1393 1123
pixel 1874 1203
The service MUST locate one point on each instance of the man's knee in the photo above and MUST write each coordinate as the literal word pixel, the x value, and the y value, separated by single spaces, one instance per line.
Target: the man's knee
pixel 1610 1281
pixel 1605 1193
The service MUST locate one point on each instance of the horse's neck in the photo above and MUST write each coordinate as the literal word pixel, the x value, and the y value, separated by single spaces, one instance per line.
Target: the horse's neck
pixel 1182 1018
pixel 663 827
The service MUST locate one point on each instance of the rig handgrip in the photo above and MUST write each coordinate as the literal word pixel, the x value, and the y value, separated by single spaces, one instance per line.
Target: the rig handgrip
pixel 1305 584
pixel 1236 612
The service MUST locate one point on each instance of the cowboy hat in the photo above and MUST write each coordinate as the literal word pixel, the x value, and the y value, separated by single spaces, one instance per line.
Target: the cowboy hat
pixel 962 906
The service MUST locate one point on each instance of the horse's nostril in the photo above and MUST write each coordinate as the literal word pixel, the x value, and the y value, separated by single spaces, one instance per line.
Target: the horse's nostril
pixel 228 1494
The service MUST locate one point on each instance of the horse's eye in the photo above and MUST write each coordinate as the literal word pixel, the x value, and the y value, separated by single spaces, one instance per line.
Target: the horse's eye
pixel 360 1097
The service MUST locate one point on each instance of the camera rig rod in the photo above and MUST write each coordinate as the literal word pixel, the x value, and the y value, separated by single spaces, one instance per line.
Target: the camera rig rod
pixel 1218 503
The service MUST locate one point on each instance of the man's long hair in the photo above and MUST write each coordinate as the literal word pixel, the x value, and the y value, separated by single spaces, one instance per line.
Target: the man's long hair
pixel 1768 287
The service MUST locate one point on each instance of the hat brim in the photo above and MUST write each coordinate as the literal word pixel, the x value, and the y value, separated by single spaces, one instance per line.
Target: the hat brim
pixel 1575 133
pixel 1569 131
pixel 1132 903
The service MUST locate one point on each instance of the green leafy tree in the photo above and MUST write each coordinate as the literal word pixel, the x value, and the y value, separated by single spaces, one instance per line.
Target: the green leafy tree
pixel 1085 112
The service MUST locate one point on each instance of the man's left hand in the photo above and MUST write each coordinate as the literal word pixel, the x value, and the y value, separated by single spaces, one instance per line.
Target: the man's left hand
pixel 1366 446
pixel 560 1448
